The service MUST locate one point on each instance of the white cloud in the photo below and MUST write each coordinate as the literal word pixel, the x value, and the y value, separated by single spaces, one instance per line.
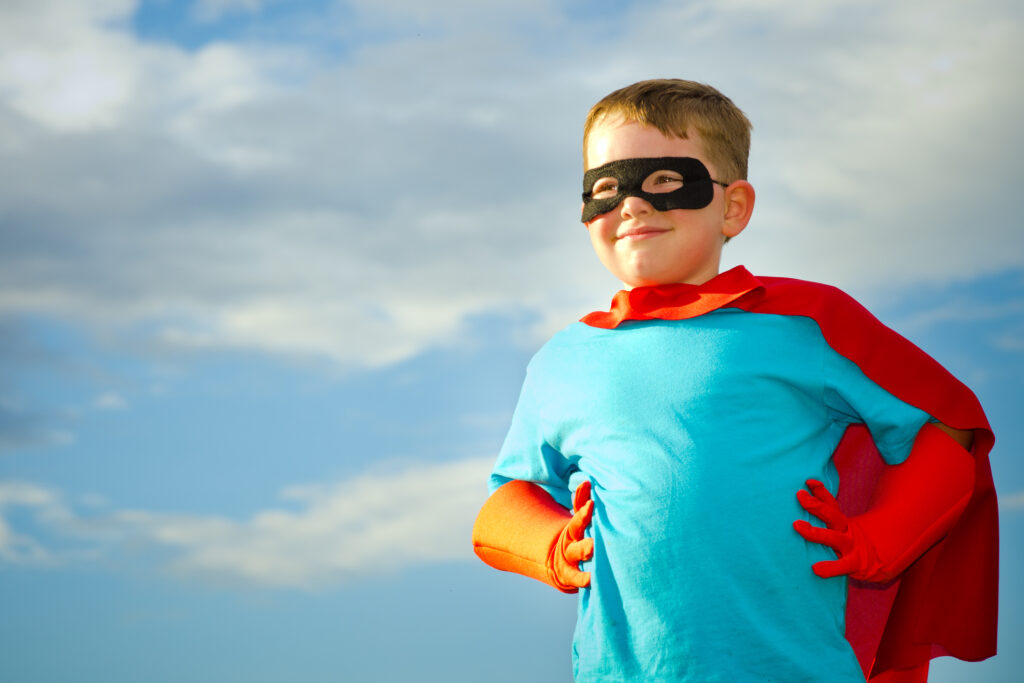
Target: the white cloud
pixel 364 207
pixel 1010 342
pixel 1012 501
pixel 212 10
pixel 24 428
pixel 380 522
pixel 22 493
pixel 62 66
pixel 892 170
pixel 110 400
pixel 18 548
pixel 997 317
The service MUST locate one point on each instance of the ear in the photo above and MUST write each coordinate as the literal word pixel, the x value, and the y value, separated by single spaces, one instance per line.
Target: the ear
pixel 739 205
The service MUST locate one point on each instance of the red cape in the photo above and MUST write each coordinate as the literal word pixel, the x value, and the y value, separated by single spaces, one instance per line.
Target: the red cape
pixel 946 602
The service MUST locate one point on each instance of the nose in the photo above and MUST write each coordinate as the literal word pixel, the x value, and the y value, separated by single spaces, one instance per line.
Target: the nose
pixel 633 207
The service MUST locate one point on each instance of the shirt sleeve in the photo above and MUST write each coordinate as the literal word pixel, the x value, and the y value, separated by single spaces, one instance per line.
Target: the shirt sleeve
pixel 526 455
pixel 852 397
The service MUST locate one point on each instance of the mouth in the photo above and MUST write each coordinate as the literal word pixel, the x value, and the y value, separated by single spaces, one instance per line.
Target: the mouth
pixel 641 232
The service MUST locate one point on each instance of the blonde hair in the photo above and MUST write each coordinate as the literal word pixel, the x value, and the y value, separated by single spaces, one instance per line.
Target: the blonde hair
pixel 673 106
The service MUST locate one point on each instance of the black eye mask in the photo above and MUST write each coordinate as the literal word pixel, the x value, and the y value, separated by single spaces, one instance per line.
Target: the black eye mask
pixel 696 193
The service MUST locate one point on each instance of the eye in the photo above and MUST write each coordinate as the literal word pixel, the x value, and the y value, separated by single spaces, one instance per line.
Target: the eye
pixel 663 181
pixel 604 188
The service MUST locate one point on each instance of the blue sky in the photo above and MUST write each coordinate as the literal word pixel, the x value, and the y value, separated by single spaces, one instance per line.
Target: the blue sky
pixel 270 273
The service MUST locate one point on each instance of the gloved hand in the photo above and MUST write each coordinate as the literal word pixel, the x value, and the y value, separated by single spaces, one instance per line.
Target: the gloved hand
pixel 857 554
pixel 915 503
pixel 573 546
pixel 522 529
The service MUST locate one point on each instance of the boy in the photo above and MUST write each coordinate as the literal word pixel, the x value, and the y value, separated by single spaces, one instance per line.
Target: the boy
pixel 682 421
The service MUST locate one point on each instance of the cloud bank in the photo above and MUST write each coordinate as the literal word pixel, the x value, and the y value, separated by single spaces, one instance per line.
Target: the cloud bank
pixel 362 187
pixel 327 535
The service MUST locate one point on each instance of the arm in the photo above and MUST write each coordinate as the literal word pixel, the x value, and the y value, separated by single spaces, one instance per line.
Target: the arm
pixel 915 503
pixel 964 438
pixel 522 529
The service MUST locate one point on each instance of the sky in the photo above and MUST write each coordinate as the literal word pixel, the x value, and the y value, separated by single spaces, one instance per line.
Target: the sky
pixel 271 272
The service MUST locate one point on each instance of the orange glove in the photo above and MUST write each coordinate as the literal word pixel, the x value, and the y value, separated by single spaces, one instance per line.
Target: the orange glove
pixel 914 505
pixel 522 529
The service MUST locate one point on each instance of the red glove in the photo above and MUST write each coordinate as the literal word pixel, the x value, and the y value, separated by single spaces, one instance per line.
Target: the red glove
pixel 522 529
pixel 914 504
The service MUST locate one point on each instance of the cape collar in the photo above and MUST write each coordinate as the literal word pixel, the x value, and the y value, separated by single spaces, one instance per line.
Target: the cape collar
pixel 675 301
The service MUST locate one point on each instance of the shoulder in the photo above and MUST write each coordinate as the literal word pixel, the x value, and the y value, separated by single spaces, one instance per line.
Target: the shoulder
pixel 785 291
pixel 571 335
pixel 566 341
pixel 835 311
pixel 886 357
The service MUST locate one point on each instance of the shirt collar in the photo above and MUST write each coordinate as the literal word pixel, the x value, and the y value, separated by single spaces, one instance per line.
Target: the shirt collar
pixel 675 301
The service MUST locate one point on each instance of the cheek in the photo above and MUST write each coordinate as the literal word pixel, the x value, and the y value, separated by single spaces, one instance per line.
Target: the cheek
pixel 602 246
pixel 601 229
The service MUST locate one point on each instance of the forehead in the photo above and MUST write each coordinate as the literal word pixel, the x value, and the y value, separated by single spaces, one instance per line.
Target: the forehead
pixel 615 138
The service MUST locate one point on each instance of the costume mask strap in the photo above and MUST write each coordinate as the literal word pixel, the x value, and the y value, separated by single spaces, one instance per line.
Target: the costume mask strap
pixel 628 178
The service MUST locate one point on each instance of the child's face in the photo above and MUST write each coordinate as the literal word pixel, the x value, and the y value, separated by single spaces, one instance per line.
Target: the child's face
pixel 643 246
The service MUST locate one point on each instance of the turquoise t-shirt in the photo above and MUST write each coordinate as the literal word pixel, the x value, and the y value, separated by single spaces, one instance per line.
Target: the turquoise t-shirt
pixel 696 435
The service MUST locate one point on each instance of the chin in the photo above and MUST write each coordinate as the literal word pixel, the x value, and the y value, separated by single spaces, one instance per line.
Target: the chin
pixel 632 282
pixel 642 277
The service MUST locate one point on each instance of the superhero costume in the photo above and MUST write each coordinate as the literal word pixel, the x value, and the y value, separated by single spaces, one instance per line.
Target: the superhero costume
pixel 705 328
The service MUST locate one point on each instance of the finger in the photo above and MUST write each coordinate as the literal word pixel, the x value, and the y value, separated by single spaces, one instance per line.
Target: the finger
pixel 570 575
pixel 826 511
pixel 579 579
pixel 816 534
pixel 565 576
pixel 807 501
pixel 579 551
pixel 580 521
pixel 582 495
pixel 821 492
pixel 830 568
pixel 839 542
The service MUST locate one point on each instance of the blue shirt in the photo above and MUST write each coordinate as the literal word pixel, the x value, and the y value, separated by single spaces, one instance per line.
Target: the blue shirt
pixel 696 435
